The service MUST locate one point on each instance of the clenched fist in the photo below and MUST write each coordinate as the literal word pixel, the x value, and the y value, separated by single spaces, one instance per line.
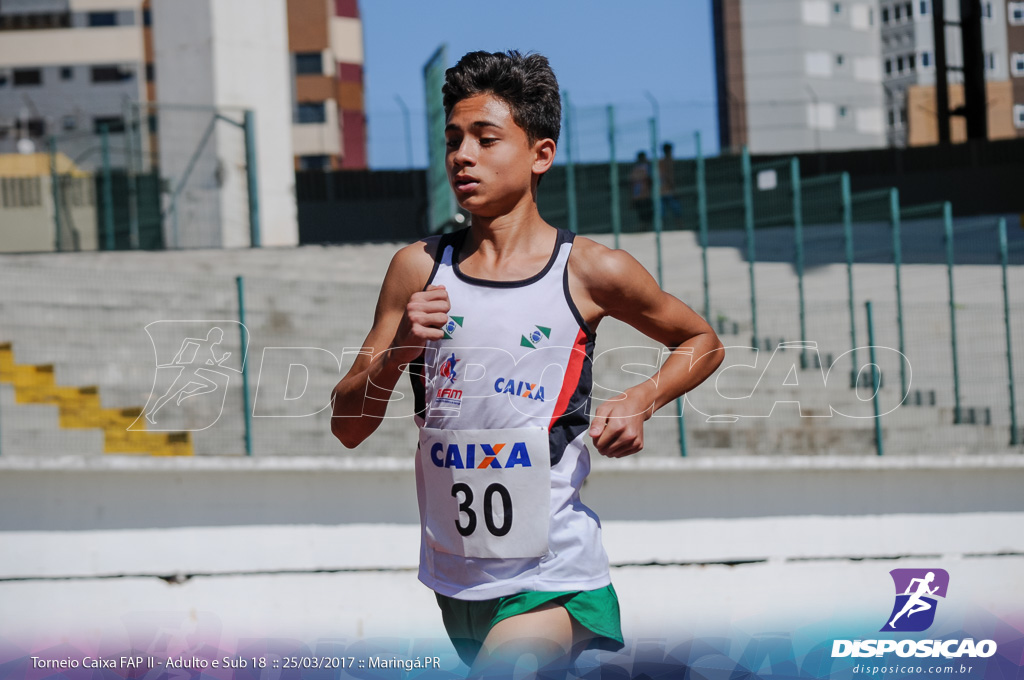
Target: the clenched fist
pixel 425 314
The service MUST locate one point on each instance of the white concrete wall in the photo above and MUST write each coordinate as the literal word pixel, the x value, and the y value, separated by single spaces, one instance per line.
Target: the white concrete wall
pixel 124 492
pixel 231 55
pixel 252 71
pixel 183 54
pixel 176 555
pixel 796 89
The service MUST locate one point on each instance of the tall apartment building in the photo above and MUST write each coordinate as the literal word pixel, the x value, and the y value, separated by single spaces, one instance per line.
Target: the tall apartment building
pixel 1015 47
pixel 69 66
pixel 799 75
pixel 806 75
pixel 908 50
pixel 325 38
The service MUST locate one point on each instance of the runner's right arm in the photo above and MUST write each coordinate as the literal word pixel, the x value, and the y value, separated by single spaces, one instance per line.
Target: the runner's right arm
pixel 405 318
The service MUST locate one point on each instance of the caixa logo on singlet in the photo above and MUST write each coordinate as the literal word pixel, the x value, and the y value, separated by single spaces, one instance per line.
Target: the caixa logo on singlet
pixel 480 456
pixel 519 388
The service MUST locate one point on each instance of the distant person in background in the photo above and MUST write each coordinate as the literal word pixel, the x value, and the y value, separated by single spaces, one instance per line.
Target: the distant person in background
pixel 667 177
pixel 640 188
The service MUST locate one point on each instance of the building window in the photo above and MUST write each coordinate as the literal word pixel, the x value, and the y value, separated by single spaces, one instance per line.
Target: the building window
pixel 20 22
pixel 898 13
pixel 909 10
pixel 1017 63
pixel 926 59
pixel 903 116
pixel 892 118
pixel 110 74
pixel 1016 13
pixel 923 8
pixel 36 127
pixel 113 123
pixel 842 112
pixel 150 72
pixel 990 61
pixel 3 78
pixel 309 63
pixel 147 17
pixel 837 8
pixel 28 76
pixel 102 19
pixel 311 112
pixel 888 67
pixel 69 123
pixel 899 64
pixel 986 9
pixel 1018 115
pixel 839 60
pixel 67 73
pixel 885 15
pixel 314 162
pixel 911 59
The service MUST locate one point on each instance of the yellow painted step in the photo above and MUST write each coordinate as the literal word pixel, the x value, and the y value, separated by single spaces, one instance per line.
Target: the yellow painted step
pixel 80 408
pixel 6 362
pixel 153 443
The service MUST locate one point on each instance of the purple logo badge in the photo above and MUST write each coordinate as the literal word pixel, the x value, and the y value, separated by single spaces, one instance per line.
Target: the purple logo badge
pixel 916 593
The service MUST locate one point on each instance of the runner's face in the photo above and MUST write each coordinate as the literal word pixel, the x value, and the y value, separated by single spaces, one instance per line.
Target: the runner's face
pixel 489 158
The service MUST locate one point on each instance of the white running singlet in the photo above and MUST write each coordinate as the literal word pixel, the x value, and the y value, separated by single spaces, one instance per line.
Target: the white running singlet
pixel 502 403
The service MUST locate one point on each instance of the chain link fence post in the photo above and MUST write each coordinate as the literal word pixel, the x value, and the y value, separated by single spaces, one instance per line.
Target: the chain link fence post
pixel 1003 260
pixel 748 226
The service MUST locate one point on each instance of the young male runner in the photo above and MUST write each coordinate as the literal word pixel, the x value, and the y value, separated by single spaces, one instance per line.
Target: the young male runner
pixel 496 324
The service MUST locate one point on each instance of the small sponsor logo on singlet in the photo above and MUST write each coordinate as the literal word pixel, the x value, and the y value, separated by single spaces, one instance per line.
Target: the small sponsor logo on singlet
pixel 519 388
pixel 535 337
pixel 480 456
pixel 447 370
pixel 449 328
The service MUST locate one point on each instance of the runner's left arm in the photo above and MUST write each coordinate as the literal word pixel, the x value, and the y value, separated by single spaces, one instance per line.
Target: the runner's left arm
pixel 625 290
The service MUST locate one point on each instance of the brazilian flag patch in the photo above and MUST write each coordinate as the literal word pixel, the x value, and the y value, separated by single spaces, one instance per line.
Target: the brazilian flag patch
pixel 535 337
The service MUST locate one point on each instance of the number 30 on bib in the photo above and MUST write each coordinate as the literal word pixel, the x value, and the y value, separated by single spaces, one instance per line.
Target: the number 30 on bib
pixel 488 492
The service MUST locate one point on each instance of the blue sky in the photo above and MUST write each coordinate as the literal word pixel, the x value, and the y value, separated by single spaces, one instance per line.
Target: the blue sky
pixel 603 52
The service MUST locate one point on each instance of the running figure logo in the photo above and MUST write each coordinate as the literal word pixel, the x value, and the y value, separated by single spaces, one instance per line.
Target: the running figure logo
pixel 199 371
pixel 447 369
pixel 916 590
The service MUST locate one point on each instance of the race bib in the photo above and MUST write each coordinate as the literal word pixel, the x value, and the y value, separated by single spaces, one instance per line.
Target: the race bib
pixel 488 492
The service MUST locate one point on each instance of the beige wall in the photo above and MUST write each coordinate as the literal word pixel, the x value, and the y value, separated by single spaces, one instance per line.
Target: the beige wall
pixel 347 39
pixel 114 44
pixel 923 125
pixel 26 226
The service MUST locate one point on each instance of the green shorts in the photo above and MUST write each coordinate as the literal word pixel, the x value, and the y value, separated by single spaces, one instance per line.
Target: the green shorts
pixel 469 621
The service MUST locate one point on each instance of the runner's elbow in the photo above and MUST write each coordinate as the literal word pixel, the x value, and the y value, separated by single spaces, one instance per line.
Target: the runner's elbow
pixel 348 435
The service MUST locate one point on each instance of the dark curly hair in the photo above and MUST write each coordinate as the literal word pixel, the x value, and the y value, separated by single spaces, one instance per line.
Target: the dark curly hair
pixel 526 83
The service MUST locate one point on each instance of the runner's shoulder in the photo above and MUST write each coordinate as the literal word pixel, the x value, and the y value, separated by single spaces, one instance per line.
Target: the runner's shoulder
pixel 598 267
pixel 411 266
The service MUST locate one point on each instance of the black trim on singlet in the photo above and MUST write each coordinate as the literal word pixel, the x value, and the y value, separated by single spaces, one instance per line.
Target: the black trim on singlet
pixel 417 369
pixel 419 388
pixel 559 240
pixel 442 243
pixel 575 420
pixel 591 335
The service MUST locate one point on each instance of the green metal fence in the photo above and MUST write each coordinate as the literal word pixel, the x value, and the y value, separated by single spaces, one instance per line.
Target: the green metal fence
pixel 782 265
pixel 158 177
